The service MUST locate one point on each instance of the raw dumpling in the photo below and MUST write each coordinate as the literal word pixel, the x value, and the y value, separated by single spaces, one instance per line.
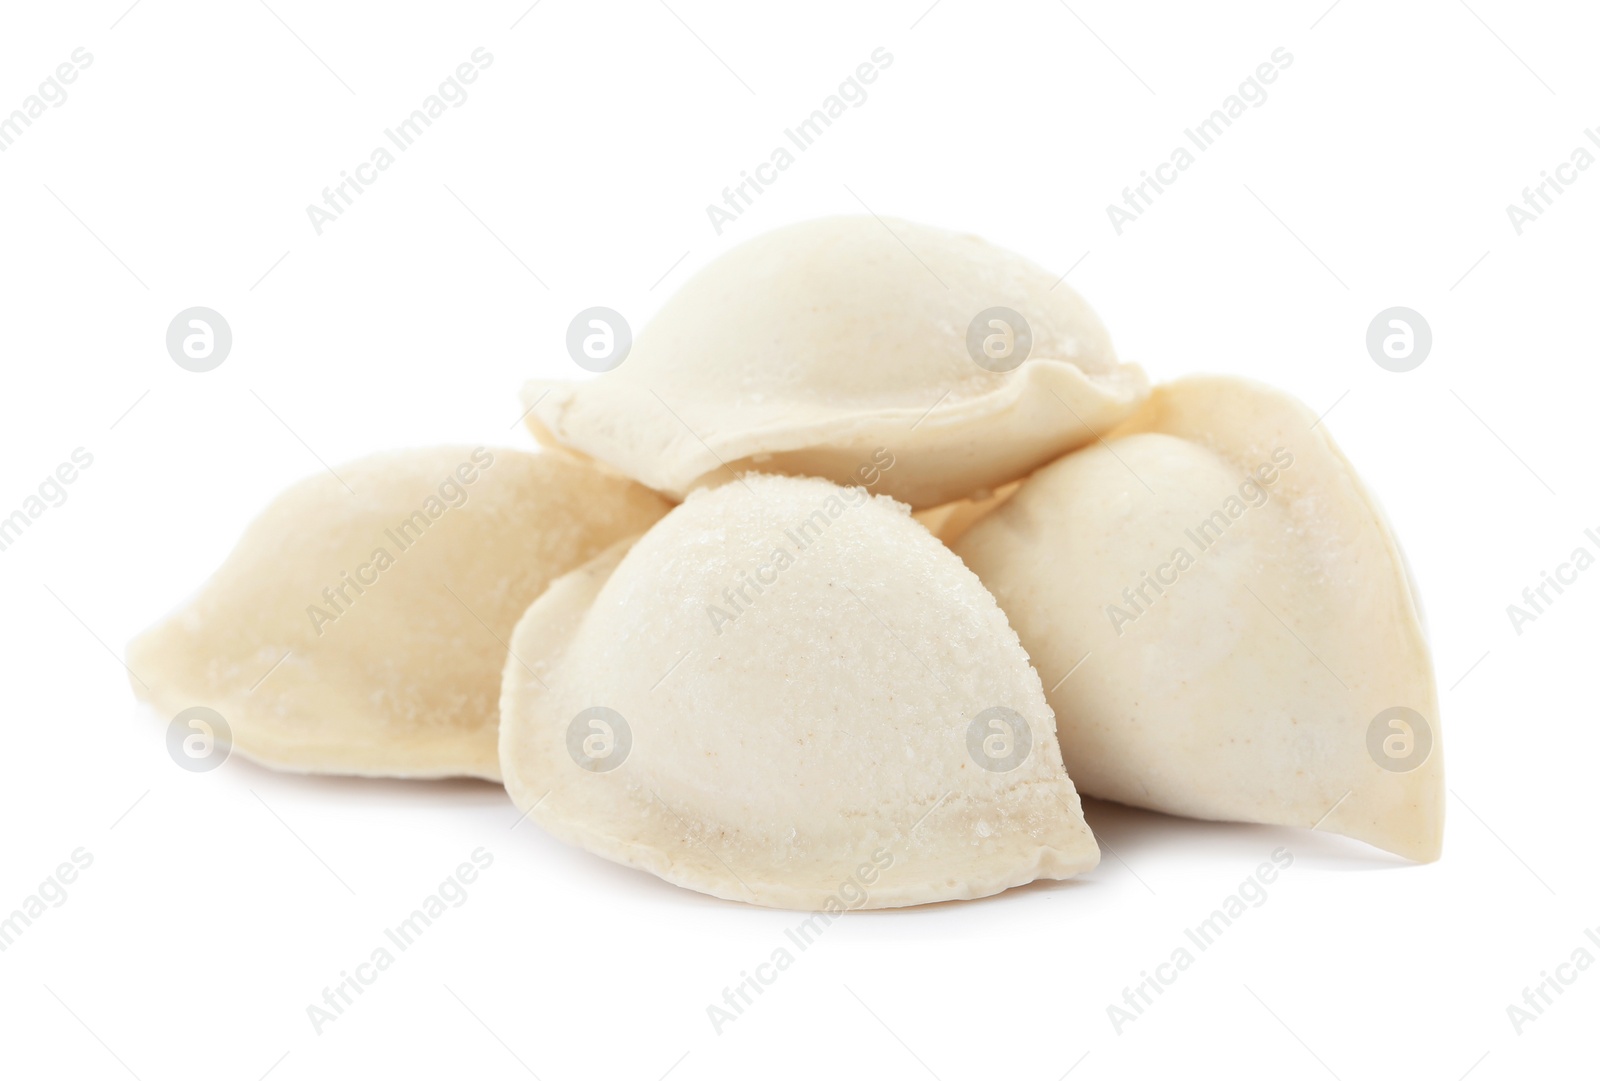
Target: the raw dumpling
pixel 789 693
pixel 1225 621
pixel 845 348
pixel 363 630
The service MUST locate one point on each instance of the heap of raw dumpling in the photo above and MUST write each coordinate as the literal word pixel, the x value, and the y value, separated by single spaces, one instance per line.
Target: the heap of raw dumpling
pixel 703 633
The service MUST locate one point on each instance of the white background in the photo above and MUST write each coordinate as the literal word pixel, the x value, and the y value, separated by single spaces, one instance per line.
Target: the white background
pixel 221 904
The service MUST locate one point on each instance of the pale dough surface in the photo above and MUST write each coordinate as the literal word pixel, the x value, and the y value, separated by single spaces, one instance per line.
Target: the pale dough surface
pixel 821 729
pixel 1240 686
pixel 814 347
pixel 401 676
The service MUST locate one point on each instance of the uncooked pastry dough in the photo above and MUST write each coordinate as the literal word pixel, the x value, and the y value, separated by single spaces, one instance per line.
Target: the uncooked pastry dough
pixel 796 667
pixel 816 348
pixel 951 521
pixel 395 670
pixel 1231 670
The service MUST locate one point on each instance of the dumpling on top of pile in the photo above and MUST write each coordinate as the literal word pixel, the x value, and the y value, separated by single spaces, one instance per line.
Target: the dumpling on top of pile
pixel 846 348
